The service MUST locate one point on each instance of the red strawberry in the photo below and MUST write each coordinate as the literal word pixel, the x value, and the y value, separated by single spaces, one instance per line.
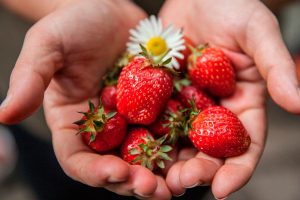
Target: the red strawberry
pixel 211 70
pixel 143 91
pixel 170 122
pixel 186 53
pixel 108 97
pixel 102 130
pixel 218 132
pixel 189 93
pixel 140 148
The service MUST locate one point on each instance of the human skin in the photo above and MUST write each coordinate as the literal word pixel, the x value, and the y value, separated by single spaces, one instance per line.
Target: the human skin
pixel 62 62
pixel 77 42
pixel 249 34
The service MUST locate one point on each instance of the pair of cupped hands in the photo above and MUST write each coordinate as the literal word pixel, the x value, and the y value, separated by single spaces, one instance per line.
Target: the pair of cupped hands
pixel 66 54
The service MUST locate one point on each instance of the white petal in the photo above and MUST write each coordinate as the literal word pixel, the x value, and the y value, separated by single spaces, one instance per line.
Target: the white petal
pixel 159 27
pixel 138 35
pixel 166 32
pixel 174 38
pixel 177 55
pixel 134 33
pixel 175 63
pixel 147 29
pixel 154 24
pixel 151 27
pixel 176 44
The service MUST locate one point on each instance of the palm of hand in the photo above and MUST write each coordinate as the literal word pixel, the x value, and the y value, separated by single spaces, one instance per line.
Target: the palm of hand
pixel 248 102
pixel 88 51
pixel 68 53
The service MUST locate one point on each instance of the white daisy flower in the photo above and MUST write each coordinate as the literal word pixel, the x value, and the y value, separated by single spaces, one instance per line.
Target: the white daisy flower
pixel 158 41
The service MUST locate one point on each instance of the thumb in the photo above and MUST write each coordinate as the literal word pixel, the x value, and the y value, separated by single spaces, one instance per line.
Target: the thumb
pixel 39 59
pixel 274 62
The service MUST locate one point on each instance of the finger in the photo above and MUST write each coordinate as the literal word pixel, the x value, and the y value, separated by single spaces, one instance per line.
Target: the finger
pixel 141 182
pixel 238 170
pixel 233 177
pixel 273 60
pixel 187 153
pixel 161 193
pixel 40 58
pixel 244 66
pixel 183 154
pixel 199 170
pixel 247 95
pixel 173 180
pixel 85 166
pixel 169 163
pixel 238 59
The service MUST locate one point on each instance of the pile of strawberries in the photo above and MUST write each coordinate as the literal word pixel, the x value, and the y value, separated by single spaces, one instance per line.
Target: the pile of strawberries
pixel 147 108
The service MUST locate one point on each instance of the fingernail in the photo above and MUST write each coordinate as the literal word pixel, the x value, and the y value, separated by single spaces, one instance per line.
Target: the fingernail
pixel 138 197
pixel 221 198
pixel 141 196
pixel 115 180
pixel 195 185
pixel 179 195
pixel 5 102
pixel 137 194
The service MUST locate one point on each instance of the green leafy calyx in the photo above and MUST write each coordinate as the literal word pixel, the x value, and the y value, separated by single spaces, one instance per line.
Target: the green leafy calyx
pixel 157 61
pixel 152 152
pixel 94 120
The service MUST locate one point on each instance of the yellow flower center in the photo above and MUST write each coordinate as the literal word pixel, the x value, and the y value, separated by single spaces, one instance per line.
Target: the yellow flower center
pixel 157 46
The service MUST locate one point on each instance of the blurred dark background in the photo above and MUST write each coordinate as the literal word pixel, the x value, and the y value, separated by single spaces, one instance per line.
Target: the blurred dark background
pixel 277 175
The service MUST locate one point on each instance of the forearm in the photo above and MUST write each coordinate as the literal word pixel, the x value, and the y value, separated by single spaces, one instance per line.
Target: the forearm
pixel 32 9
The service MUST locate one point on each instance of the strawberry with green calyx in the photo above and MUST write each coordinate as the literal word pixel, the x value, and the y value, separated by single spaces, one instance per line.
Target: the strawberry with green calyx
pixel 170 123
pixel 101 129
pixel 140 148
pixel 144 87
pixel 211 70
pixel 218 132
